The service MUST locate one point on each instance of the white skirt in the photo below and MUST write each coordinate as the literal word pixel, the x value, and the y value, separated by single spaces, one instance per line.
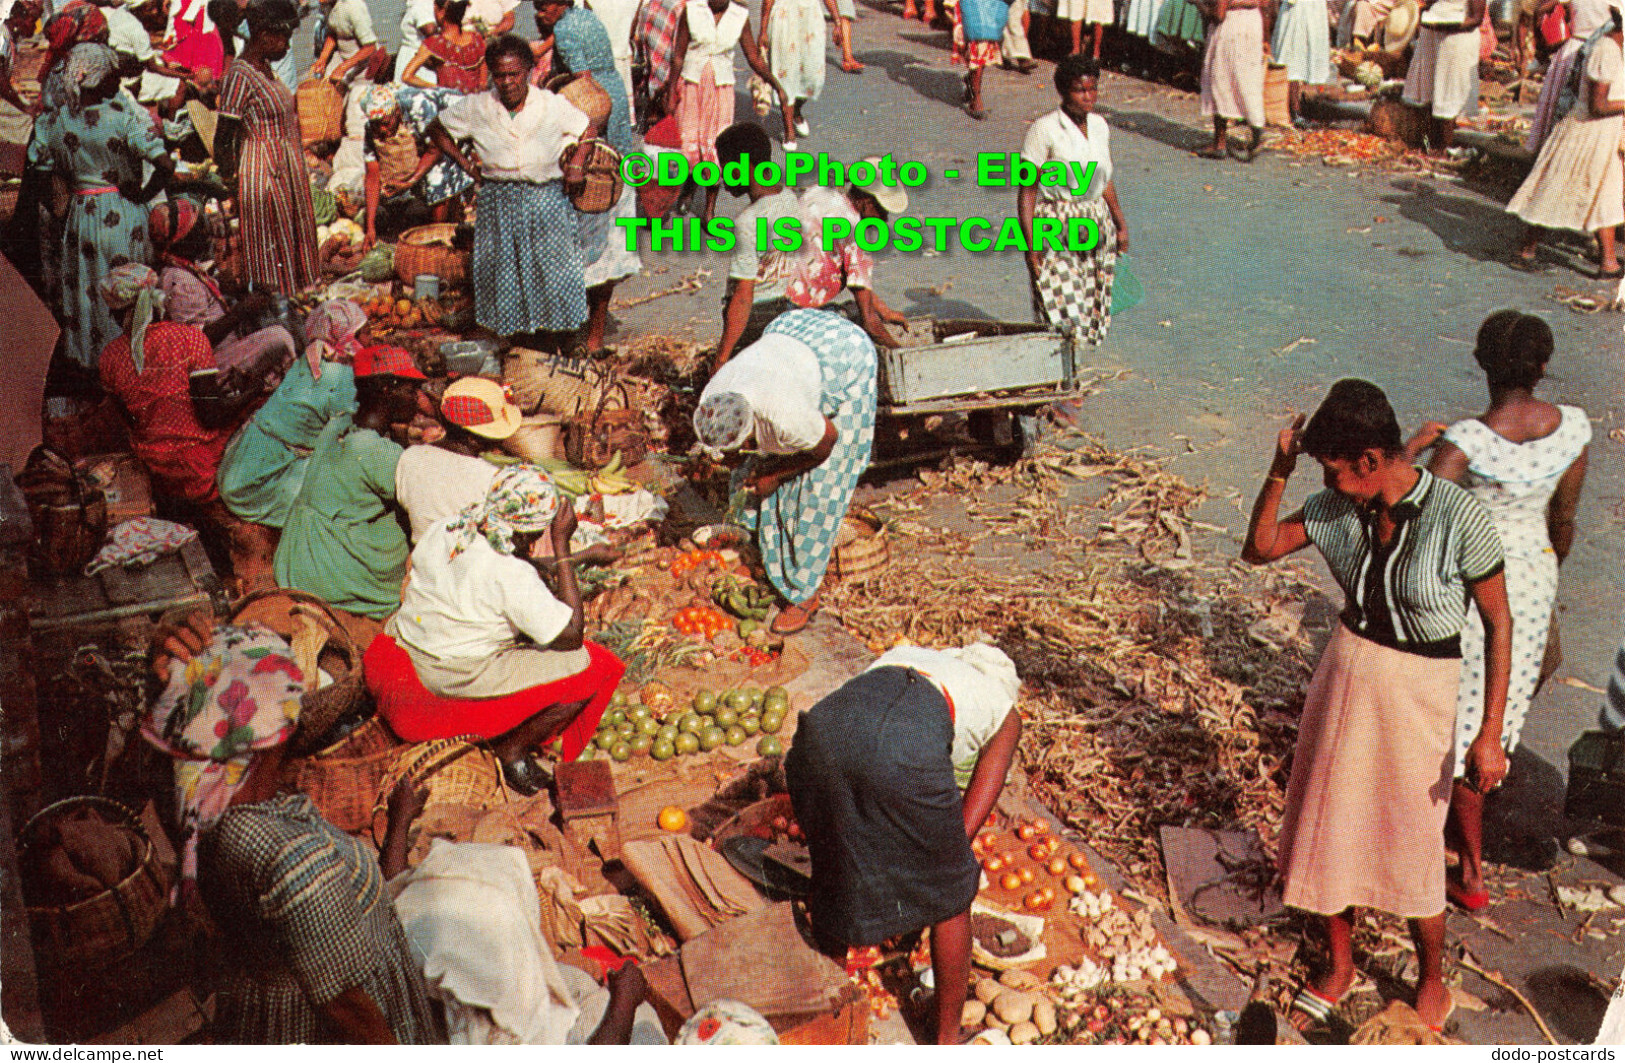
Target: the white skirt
pixel 1578 180
pixel 1444 73
pixel 1233 69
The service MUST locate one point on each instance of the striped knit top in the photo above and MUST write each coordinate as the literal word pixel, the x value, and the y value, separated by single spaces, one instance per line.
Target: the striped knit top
pixel 1411 595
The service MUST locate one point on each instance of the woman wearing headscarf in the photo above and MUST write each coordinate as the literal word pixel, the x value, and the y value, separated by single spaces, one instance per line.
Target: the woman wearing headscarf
pixel 163 375
pixel 891 776
pixel 314 953
pixel 528 272
pixel 1370 787
pixel 94 149
pixel 263 468
pixel 805 393
pixel 343 540
pixel 253 358
pixel 258 148
pixel 407 177
pixel 581 45
pixel 482 645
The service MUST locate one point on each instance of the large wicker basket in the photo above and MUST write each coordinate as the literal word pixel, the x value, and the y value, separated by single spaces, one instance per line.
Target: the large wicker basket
pixel 456 771
pixel 344 780
pixel 104 929
pixel 428 249
pixel 321 111
pixel 319 709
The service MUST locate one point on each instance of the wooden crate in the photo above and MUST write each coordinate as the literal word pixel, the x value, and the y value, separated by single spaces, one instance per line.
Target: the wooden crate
pixel 179 579
pixel 1005 356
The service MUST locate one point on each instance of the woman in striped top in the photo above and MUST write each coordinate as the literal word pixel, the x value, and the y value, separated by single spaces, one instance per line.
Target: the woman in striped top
pixel 257 143
pixel 1371 777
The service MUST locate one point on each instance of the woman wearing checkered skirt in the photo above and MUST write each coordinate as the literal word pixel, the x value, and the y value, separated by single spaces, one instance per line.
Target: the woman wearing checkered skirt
pixel 805 394
pixel 1072 289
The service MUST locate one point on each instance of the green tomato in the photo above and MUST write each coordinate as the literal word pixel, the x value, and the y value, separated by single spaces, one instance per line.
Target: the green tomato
pixel 605 739
pixel 626 729
pixel 756 695
pixel 642 743
pixel 735 735
pixel 690 723
pixel 621 751
pixel 639 711
pixel 737 700
pixel 617 699
pixel 687 742
pixel 648 725
pixel 613 717
pixel 776 692
pixel 751 723
pixel 726 718
pixel 769 746
pixel 712 737
pixel 772 721
pixel 663 749
pixel 705 702
pixel 772 700
pixel 667 733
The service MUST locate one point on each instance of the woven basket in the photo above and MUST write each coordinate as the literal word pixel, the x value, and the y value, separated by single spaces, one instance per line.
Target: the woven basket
pixel 321 111
pixel 865 548
pixel 427 249
pixel 344 780
pixel 585 93
pixel 553 383
pixel 319 709
pixel 538 438
pixel 106 928
pixel 1276 109
pixel 456 772
pixel 603 186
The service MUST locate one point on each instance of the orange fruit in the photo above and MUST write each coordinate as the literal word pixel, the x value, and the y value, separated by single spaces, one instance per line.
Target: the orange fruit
pixel 673 819
pixel 1011 881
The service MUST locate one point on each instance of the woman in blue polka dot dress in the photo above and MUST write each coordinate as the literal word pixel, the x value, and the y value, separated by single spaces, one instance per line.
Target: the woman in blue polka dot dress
pixel 1525 460
pixel 527 270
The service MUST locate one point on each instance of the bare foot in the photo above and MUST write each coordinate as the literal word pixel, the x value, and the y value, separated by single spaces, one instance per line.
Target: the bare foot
pixel 1433 1003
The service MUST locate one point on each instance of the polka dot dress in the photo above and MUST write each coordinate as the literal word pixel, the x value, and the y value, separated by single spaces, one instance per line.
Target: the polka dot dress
pixel 527 263
pixel 1515 482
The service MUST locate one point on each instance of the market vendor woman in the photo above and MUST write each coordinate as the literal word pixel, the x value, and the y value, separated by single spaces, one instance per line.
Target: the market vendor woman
pixel 876 773
pixel 805 394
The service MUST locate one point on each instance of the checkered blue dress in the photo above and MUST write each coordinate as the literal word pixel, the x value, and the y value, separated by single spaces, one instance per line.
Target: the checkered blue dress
pixel 797 524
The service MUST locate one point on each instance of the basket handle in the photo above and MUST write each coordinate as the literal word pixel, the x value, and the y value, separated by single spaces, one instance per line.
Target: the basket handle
pixel 337 625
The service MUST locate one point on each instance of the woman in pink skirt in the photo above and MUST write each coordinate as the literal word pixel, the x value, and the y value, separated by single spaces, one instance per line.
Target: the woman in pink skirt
pixel 1233 71
pixel 702 96
pixel 1371 777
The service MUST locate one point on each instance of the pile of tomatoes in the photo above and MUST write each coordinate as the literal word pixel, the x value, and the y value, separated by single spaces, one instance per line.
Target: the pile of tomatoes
pixel 1044 849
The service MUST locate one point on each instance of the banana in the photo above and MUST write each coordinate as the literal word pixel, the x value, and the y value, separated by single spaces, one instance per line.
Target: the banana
pixel 614 465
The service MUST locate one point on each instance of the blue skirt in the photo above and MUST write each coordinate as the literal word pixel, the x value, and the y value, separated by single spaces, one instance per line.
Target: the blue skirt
pixel 527 264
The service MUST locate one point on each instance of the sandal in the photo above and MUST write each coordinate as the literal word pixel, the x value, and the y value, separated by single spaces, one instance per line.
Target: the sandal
pixel 1310 1003
pixel 1451 1010
pixel 1467 902
pixel 1610 274
pixel 854 68
pixel 1210 153
pixel 526 776
pixel 793 618
pixel 977 113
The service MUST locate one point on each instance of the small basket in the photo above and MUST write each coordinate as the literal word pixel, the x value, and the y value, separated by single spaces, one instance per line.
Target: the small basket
pixel 343 781
pixel 456 771
pixel 584 92
pixel 321 111
pixel 861 545
pixel 319 709
pixel 602 190
pixel 110 926
pixel 538 438
pixel 427 249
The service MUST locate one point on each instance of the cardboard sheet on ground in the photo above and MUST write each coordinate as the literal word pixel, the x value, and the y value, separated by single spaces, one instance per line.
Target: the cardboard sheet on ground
pixel 1219 878
pixel 32 333
pixel 693 884
pixel 761 959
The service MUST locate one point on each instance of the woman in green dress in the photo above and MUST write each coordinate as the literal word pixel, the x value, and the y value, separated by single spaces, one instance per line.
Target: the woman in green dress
pixel 344 540
pixel 94 149
pixel 263 467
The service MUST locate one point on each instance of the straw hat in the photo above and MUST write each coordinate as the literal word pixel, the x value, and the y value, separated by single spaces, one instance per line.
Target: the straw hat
pixel 482 406
pixel 892 198
pixel 1401 25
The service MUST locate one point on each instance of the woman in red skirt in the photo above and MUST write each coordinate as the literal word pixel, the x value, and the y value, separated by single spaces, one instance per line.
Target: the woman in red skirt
pixel 481 645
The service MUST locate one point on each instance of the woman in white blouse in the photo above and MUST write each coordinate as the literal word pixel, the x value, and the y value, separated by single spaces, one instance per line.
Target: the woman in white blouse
pixel 528 275
pixel 1073 289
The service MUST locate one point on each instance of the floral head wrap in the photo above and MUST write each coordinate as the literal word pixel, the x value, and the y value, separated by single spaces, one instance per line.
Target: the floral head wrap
pixel 381 103
pixel 134 284
pixel 724 421
pixel 89 65
pixel 522 499
pixel 330 332
pixel 238 697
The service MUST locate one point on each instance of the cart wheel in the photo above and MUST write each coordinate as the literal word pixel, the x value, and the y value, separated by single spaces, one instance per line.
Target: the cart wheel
pixel 1002 432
